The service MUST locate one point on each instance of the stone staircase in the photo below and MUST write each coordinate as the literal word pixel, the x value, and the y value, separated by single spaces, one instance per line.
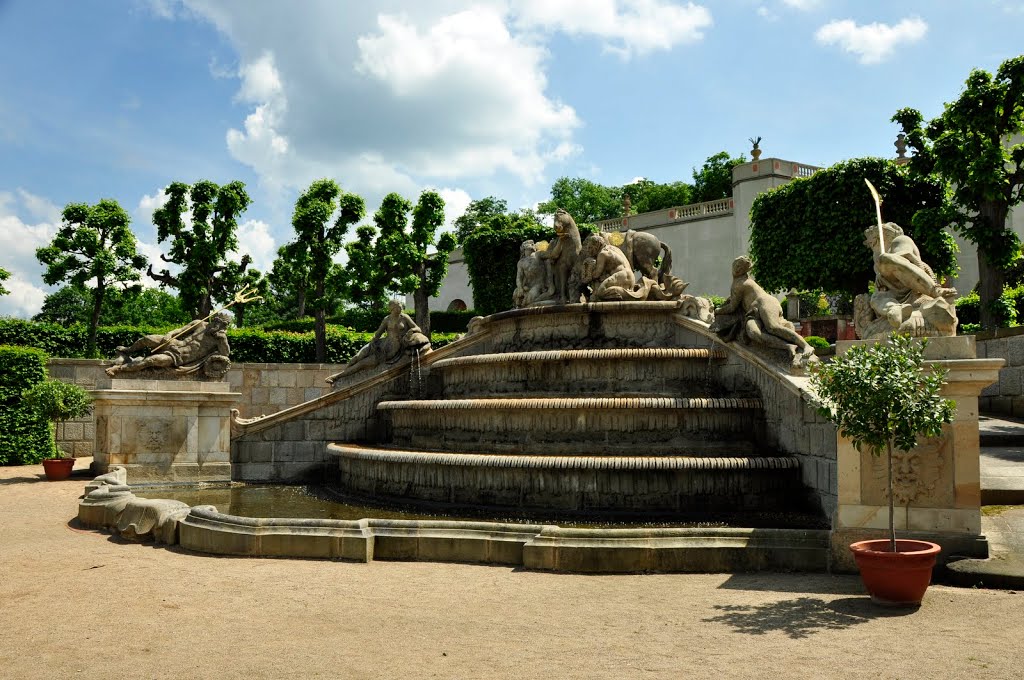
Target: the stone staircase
pixel 600 423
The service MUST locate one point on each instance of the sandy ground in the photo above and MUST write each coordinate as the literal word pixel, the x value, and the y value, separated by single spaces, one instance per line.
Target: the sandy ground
pixel 77 604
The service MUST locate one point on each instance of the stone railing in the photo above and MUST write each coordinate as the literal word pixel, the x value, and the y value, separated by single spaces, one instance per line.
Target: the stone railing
pixel 683 213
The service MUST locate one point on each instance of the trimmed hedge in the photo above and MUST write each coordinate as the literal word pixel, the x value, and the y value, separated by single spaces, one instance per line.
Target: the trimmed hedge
pixel 367 321
pixel 247 344
pixel 25 434
pixel 1009 308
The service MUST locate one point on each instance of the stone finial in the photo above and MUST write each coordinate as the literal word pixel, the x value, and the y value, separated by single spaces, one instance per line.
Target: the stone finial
pixel 901 149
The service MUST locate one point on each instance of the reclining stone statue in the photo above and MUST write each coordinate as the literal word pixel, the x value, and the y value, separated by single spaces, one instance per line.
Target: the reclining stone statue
pixel 755 317
pixel 534 283
pixel 397 337
pixel 606 268
pixel 197 350
pixel 907 297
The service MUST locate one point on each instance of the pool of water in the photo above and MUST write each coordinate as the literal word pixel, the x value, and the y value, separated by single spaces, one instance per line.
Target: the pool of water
pixel 315 502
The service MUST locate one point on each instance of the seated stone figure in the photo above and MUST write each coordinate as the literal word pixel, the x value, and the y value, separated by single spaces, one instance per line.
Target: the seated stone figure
pixel 607 271
pixel 907 297
pixel 752 315
pixel 534 282
pixel 198 349
pixel 397 336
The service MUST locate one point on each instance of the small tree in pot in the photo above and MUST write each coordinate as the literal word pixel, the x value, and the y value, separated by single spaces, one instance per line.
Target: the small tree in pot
pixel 880 398
pixel 58 401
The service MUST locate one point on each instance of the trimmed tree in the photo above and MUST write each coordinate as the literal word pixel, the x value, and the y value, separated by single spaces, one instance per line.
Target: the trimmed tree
pixel 94 245
pixel 200 246
pixel 478 213
pixel 969 146
pixel 714 179
pixel 4 275
pixel 809 234
pixel 321 240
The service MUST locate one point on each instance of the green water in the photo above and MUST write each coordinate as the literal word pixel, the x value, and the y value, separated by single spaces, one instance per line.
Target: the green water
pixel 312 502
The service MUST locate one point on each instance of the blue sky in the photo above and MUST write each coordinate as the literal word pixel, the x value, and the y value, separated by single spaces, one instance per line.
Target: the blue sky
pixel 100 98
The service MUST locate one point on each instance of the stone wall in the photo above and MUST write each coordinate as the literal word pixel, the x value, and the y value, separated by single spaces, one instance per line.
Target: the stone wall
pixel 265 389
pixel 1005 397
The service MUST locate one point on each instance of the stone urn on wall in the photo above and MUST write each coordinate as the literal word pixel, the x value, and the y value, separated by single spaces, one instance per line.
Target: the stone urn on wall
pixel 756 151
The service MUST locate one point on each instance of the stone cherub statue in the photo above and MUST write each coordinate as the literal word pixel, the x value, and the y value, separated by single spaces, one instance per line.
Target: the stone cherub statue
pixel 607 269
pixel 397 337
pixel 564 255
pixel 752 315
pixel 534 283
pixel 907 297
pixel 199 349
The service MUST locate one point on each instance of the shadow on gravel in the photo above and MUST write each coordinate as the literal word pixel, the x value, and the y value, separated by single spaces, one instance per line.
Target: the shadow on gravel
pixel 22 480
pixel 801 617
pixel 795 582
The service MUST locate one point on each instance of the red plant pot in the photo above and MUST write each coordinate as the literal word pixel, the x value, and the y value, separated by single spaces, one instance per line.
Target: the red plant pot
pixel 57 469
pixel 895 578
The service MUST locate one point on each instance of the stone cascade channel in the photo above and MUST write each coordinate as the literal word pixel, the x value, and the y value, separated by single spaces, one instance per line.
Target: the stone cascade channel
pixel 599 427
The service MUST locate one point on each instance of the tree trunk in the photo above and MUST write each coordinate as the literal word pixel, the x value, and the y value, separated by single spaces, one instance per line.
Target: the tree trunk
pixel 320 325
pixel 421 302
pixel 991 278
pixel 205 306
pixel 302 303
pixel 240 316
pixel 892 500
pixel 94 322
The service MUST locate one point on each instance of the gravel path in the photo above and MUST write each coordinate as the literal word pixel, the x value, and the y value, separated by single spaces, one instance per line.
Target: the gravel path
pixel 78 604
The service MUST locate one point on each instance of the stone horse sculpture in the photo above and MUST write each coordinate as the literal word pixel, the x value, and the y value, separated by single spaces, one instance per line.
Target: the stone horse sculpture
pixel 564 254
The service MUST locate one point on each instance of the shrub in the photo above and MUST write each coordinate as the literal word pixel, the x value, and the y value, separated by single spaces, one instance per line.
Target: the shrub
pixel 817 342
pixel 25 435
pixel 58 401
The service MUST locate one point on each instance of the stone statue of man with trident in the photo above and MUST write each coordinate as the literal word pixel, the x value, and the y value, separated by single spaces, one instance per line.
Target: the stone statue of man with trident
pixel 198 348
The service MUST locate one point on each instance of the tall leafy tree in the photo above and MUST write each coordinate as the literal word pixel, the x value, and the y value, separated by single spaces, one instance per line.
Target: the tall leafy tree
pixel 4 275
pixel 289 279
pixel 94 245
pixel 400 258
pixel 322 239
pixel 200 246
pixel 478 213
pixel 647 196
pixel 970 145
pixel 714 179
pixel 131 306
pixel 366 282
pixel 588 202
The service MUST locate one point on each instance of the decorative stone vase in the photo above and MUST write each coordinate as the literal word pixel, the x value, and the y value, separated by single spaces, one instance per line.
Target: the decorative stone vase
pixel 57 469
pixel 755 152
pixel 895 579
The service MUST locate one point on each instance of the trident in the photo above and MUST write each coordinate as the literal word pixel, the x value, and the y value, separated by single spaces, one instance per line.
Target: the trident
pixel 878 212
pixel 243 296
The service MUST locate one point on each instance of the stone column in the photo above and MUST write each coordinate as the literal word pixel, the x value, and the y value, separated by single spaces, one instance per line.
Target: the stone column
pixel 164 430
pixel 937 485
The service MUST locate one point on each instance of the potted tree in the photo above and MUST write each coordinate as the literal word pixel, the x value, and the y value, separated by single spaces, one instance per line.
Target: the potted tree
pixel 58 401
pixel 879 396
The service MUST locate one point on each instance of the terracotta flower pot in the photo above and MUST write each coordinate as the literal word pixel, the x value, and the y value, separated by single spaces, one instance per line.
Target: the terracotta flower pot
pixel 57 469
pixel 895 578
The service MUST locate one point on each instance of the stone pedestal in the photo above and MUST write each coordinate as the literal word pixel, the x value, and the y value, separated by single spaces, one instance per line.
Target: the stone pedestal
pixel 164 430
pixel 937 486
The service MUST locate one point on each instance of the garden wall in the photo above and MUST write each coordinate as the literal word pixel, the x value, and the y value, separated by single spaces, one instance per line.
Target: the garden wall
pixel 265 389
pixel 1006 397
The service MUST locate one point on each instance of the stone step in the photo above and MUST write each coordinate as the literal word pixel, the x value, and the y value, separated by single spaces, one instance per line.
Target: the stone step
pixel 572 483
pixel 647 371
pixel 573 425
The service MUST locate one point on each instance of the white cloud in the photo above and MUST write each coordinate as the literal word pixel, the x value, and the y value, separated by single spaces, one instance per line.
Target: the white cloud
pixel 20 235
pixel 455 203
pixel 254 239
pixel 803 5
pixel 628 26
pixel 872 43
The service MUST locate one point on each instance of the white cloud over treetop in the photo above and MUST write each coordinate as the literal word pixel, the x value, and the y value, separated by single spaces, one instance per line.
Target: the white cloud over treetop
pixel 19 238
pixel 872 43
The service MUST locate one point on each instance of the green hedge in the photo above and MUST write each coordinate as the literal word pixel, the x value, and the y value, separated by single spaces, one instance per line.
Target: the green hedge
pixel 1009 308
pixel 25 434
pixel 247 344
pixel 367 321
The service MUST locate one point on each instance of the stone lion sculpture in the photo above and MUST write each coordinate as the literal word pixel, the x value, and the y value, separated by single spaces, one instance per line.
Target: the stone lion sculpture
pixel 752 315
pixel 907 297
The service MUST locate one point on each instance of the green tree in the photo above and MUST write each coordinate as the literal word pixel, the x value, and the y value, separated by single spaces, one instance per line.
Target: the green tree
pixel 588 202
pixel 714 179
pixel 400 258
pixel 66 306
pixel 94 245
pixel 251 280
pixel 289 280
pixel 970 146
pixel 322 240
pixel 132 306
pixel 478 212
pixel 200 247
pixel 809 234
pixel 4 275
pixel 366 283
pixel 648 196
